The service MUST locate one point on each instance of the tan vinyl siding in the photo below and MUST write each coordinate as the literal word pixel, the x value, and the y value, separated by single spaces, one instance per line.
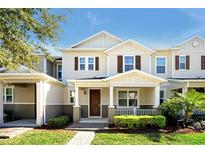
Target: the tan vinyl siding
pixel 100 41
pixel 168 55
pixel 128 49
pixel 40 65
pixel 68 65
pixel 195 65
pixel 54 94
pixel 24 93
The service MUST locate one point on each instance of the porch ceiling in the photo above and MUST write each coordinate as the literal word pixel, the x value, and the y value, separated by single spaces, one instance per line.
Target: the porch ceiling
pixel 133 78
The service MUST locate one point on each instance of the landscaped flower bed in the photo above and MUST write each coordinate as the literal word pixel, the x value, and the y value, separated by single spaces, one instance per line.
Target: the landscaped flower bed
pixel 139 122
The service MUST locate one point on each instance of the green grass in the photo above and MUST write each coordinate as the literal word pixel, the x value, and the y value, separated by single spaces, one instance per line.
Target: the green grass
pixel 40 137
pixel 149 139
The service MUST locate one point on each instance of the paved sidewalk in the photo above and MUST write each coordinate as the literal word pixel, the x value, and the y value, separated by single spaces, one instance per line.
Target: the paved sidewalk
pixel 12 132
pixel 82 138
pixel 87 126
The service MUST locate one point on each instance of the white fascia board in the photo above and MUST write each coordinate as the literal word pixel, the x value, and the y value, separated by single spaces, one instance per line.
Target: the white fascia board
pixel 92 36
pixel 132 41
pixel 195 36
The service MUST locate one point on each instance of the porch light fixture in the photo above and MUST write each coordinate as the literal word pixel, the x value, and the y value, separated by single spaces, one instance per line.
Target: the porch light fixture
pixel 84 91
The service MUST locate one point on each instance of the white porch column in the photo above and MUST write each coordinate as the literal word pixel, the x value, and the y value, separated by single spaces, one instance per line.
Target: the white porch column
pixel 1 105
pixel 156 98
pixel 184 90
pixel 111 107
pixel 76 96
pixel 111 97
pixel 76 107
pixel 39 103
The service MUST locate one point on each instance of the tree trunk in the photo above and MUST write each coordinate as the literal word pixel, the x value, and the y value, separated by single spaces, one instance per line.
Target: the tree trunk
pixel 186 118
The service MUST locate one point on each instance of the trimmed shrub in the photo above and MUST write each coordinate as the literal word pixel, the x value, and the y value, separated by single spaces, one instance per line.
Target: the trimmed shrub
pixel 58 122
pixel 140 122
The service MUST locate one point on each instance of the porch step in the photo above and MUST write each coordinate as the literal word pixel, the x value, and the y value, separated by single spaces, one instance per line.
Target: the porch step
pixel 93 120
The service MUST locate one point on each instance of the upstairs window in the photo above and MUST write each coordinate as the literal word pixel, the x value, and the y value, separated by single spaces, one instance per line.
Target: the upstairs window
pixel 82 63
pixel 8 94
pixel 59 72
pixel 128 63
pixel 182 62
pixel 91 63
pixel 161 65
pixel 87 63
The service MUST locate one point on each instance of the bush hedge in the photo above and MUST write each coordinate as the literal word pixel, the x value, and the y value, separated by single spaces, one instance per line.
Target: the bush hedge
pixel 58 122
pixel 140 122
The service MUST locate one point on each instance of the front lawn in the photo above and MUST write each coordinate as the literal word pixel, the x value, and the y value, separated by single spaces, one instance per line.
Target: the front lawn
pixel 149 139
pixel 40 137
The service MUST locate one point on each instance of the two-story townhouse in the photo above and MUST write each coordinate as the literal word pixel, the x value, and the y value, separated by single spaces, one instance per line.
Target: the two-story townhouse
pixel 108 73
pixel 102 76
pixel 30 97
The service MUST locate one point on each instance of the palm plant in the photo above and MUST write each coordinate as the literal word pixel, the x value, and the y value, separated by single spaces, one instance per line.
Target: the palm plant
pixel 187 102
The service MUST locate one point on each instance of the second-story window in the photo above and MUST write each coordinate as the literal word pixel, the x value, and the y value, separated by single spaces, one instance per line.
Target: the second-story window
pixel 161 65
pixel 87 63
pixel 128 63
pixel 90 63
pixel 182 62
pixel 82 63
pixel 59 72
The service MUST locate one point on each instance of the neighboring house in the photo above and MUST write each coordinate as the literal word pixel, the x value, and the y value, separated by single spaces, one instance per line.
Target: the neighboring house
pixel 103 75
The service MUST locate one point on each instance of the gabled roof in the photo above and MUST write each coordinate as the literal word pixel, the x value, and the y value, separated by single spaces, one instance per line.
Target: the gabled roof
pixel 93 36
pixel 193 37
pixel 127 41
pixel 138 72
pixel 20 69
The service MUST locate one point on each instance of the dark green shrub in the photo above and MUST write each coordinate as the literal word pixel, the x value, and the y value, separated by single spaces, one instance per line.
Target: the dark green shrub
pixel 58 122
pixel 140 122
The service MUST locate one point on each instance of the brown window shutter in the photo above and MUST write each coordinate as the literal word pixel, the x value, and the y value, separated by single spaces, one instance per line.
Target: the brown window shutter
pixel 176 62
pixel 138 62
pixel 203 62
pixel 119 63
pixel 76 64
pixel 97 63
pixel 187 62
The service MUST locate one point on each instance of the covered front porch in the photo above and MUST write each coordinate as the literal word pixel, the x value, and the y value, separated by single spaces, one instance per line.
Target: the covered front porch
pixel 103 98
pixel 23 98
pixel 183 85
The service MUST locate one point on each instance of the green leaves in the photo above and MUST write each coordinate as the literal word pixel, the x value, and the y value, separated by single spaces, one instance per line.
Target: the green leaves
pixel 188 102
pixel 23 32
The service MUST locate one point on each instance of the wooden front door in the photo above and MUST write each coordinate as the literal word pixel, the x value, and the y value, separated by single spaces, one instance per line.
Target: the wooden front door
pixel 94 102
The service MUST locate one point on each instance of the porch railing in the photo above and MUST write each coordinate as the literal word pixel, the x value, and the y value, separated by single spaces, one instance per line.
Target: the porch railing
pixel 136 111
pixel 155 111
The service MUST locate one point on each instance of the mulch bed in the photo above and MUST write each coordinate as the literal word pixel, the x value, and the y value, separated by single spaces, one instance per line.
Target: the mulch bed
pixel 113 129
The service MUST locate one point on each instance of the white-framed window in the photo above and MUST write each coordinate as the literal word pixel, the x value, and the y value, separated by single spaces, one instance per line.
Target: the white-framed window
pixel 161 65
pixel 59 72
pixel 90 63
pixel 72 96
pixel 128 98
pixel 129 63
pixel 8 94
pixel 182 62
pixel 87 63
pixel 82 63
pixel 162 97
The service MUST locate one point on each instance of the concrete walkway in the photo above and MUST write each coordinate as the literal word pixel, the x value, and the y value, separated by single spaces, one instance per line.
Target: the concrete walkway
pixel 82 138
pixel 12 132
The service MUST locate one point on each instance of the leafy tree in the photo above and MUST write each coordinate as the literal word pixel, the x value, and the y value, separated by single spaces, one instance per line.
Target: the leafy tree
pixel 186 102
pixel 24 32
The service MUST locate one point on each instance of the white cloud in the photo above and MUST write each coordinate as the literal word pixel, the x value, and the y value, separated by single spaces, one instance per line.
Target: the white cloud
pixel 93 19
